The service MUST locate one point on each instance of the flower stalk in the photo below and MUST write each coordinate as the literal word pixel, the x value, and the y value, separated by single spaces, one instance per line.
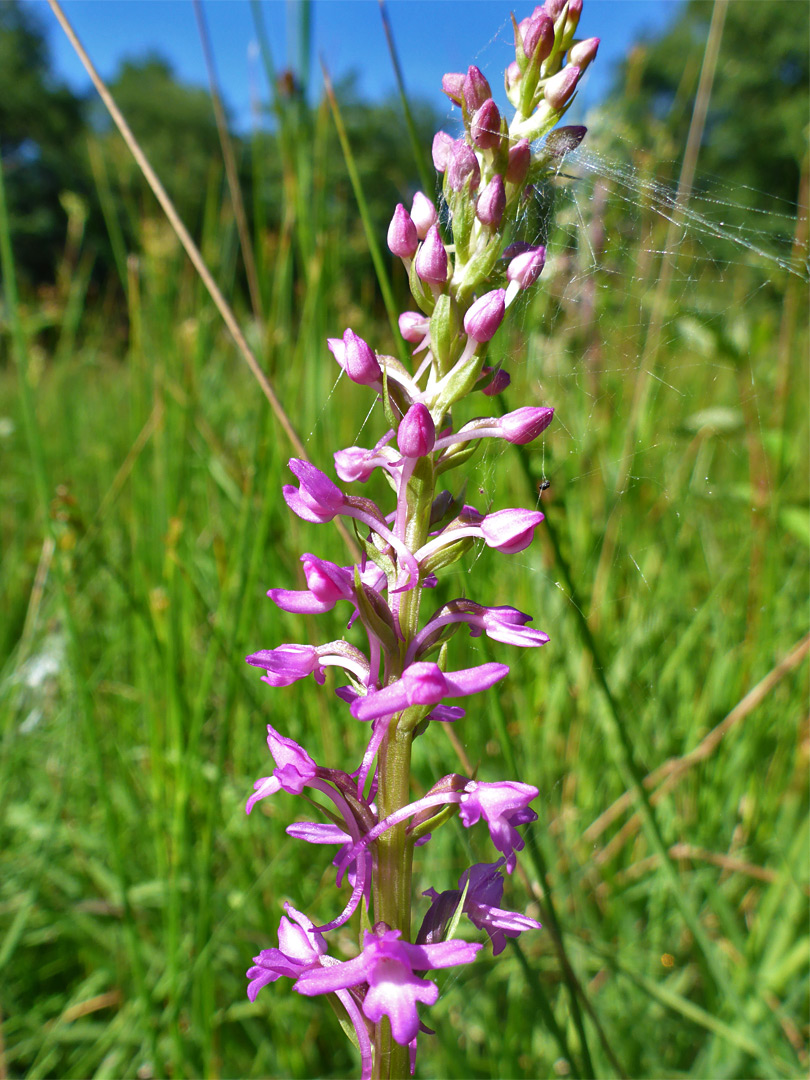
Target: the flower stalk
pixel 466 264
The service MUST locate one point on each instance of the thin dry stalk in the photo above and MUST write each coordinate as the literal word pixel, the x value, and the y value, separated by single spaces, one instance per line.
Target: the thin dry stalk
pixel 229 157
pixel 671 772
pixel 192 251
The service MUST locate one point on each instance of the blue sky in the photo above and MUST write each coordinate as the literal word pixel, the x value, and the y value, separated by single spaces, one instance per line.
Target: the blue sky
pixel 432 36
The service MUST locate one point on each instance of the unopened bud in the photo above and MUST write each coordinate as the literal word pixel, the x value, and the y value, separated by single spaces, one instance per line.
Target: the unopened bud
pixel 526 267
pixel 463 164
pixel 413 326
pixel 583 52
pixel 423 214
pixel 560 88
pixel 475 89
pixel 485 316
pixel 431 259
pixel 417 433
pixel 498 383
pixel 512 77
pixel 518 162
pixel 524 425
pixel 485 128
pixel 452 85
pixel 538 37
pixel 402 236
pixel 492 203
pixel 442 150
pixel 356 358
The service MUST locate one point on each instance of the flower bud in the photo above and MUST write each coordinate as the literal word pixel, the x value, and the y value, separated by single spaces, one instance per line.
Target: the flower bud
pixel 463 164
pixel 485 128
pixel 413 326
pixel 356 358
pixel 452 85
pixel 485 316
pixel 431 259
pixel 498 383
pixel 511 78
pixel 526 267
pixel 560 88
pixel 518 162
pixel 524 425
pixel 492 203
pixel 417 433
pixel 475 89
pixel 538 37
pixel 423 214
pixel 442 150
pixel 552 8
pixel 583 52
pixel 402 236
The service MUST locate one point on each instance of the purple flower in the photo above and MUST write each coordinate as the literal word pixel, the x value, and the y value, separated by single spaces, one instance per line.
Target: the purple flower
pixel 300 948
pixel 424 683
pixel 480 905
pixel 502 806
pixel 431 259
pixel 287 664
pixel 294 769
pixel 386 966
pixel 356 463
pixel 504 624
pixel 537 36
pixel 327 583
pixel 402 237
pixel 317 499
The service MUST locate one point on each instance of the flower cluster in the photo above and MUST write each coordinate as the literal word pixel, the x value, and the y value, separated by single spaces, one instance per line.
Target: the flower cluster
pixel 465 269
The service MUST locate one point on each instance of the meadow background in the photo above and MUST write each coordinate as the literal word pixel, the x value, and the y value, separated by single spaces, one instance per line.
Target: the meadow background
pixel 666 724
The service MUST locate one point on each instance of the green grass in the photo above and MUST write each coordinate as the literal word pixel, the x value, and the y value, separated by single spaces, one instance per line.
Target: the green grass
pixel 133 888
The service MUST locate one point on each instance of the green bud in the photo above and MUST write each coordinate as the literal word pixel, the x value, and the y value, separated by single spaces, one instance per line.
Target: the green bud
pixel 375 614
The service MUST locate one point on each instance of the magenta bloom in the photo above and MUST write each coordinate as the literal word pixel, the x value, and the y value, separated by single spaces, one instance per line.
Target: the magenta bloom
pixel 502 806
pixel 287 664
pixel 294 769
pixel 480 905
pixel 300 948
pixel 317 499
pixel 416 433
pixel 424 683
pixel 386 966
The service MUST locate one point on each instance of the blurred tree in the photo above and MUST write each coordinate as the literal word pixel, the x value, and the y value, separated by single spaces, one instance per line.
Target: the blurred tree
pixel 756 128
pixel 41 123
pixel 174 123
